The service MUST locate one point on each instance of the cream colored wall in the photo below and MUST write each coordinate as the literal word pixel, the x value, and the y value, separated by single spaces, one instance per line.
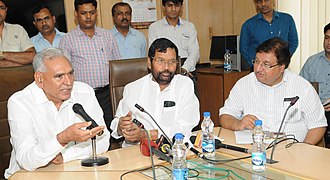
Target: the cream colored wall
pixel 310 18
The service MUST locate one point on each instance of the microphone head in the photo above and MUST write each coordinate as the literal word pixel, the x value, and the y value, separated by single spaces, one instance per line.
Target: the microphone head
pixel 294 100
pixel 144 147
pixel 77 108
pixel 217 142
pixel 139 107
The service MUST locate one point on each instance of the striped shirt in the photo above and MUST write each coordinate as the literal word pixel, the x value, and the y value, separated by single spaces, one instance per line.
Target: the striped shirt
pixel 249 96
pixel 90 56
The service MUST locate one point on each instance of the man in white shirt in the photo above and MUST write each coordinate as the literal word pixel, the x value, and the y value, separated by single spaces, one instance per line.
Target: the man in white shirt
pixel 169 99
pixel 264 94
pixel 182 33
pixel 43 127
pixel 16 48
pixel 48 36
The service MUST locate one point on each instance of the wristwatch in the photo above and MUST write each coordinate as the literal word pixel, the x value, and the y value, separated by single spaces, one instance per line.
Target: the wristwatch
pixel 184 72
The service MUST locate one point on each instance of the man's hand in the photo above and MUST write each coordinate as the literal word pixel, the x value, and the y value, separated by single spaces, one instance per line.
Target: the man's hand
pixel 135 134
pixel 327 106
pixel 75 132
pixel 58 159
pixel 125 123
pixel 247 122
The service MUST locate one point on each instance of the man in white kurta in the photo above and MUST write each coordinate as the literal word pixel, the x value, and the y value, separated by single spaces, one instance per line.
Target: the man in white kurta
pixel 43 127
pixel 169 98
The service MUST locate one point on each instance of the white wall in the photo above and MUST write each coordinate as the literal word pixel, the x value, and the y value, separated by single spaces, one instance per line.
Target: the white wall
pixel 310 17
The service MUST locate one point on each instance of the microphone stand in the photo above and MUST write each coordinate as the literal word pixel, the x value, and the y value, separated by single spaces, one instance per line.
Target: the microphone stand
pixel 94 160
pixel 151 155
pixel 271 160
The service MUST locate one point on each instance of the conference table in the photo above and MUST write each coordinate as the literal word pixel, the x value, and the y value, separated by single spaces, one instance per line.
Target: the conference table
pixel 299 161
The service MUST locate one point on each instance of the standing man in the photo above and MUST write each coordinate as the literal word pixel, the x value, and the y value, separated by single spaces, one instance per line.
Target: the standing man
pixel 90 49
pixel 48 36
pixel 16 48
pixel 266 93
pixel 44 128
pixel 182 33
pixel 316 69
pixel 267 24
pixel 131 43
pixel 169 98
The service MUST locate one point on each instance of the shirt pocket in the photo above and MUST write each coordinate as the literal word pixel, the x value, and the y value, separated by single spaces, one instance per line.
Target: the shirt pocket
pixel 13 45
pixel 168 116
pixel 185 41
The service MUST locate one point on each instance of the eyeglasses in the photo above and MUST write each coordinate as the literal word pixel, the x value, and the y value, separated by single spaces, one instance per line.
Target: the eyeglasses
pixel 263 65
pixel 260 1
pixel 162 62
pixel 2 8
pixel 46 19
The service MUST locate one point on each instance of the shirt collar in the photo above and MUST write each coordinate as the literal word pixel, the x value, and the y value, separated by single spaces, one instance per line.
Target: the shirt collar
pixel 129 31
pixel 284 79
pixel 324 57
pixel 39 35
pixel 275 15
pixel 154 83
pixel 180 22
pixel 41 98
pixel 82 33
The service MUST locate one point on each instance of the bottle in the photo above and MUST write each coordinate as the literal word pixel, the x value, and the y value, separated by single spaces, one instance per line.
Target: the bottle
pixel 179 164
pixel 227 63
pixel 258 148
pixel 208 142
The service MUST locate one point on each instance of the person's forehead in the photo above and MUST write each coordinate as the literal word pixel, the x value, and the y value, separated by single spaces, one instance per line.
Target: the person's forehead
pixel 87 6
pixel 266 56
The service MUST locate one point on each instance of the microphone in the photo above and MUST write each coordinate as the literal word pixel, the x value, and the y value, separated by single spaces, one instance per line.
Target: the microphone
pixel 146 149
pixel 142 110
pixel 219 144
pixel 293 102
pixel 195 151
pixel 78 109
pixel 163 145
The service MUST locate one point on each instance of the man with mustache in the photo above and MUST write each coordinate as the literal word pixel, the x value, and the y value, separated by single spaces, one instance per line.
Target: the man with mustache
pixel 48 36
pixel 44 128
pixel 131 43
pixel 316 69
pixel 267 24
pixel 16 48
pixel 90 49
pixel 151 92
pixel 183 33
pixel 264 93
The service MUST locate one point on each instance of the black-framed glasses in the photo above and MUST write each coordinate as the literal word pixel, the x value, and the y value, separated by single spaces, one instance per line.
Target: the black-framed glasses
pixel 263 65
pixel 46 19
pixel 260 1
pixel 162 62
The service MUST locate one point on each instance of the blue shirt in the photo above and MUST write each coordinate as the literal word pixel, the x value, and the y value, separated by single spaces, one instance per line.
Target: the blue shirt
pixel 41 43
pixel 317 69
pixel 133 45
pixel 257 30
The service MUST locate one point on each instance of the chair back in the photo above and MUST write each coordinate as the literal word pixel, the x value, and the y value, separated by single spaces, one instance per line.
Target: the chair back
pixel 12 79
pixel 123 72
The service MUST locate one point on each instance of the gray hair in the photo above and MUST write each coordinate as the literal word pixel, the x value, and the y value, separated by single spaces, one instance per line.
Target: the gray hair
pixel 47 54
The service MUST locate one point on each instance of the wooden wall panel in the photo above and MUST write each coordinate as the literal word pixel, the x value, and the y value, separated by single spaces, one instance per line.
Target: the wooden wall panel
pixel 211 17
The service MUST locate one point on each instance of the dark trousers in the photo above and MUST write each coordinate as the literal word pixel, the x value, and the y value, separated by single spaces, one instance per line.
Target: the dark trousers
pixel 103 97
pixel 327 132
